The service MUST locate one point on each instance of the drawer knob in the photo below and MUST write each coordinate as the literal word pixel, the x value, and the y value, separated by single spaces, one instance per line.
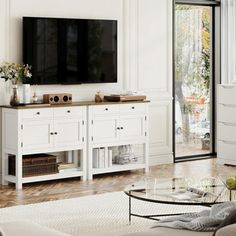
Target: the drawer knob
pixel 133 107
pixel 55 133
pixel 106 109
pixel 51 133
pixel 121 127
pixel 38 113
pixel 68 111
pixel 118 127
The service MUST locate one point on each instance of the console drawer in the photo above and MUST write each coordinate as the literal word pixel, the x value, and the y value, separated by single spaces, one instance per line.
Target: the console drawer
pixel 105 109
pixel 133 108
pixel 37 113
pixel 227 132
pixel 68 112
pixel 227 113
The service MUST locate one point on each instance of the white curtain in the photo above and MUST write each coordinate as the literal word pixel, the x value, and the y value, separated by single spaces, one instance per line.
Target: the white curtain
pixel 228 31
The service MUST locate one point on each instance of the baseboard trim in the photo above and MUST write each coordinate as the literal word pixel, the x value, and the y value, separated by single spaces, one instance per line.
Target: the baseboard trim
pixel 222 161
pixel 161 159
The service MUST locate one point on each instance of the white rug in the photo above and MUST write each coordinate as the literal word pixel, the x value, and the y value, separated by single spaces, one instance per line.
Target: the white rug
pixel 104 214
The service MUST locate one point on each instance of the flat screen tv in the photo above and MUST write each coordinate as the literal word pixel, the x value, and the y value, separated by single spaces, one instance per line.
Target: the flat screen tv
pixel 70 51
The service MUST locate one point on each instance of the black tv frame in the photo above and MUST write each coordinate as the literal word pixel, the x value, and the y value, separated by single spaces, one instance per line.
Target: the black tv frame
pixel 27 42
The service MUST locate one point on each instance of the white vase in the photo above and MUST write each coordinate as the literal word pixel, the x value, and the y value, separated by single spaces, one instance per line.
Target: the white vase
pixel 26 93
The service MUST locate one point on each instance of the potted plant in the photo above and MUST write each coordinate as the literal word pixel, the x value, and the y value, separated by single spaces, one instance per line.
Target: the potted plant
pixel 15 73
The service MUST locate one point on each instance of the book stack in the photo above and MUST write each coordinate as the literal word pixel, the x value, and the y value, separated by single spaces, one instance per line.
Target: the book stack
pixel 102 158
pixel 67 167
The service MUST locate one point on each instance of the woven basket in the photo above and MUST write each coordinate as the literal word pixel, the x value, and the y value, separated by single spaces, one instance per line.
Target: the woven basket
pixel 34 165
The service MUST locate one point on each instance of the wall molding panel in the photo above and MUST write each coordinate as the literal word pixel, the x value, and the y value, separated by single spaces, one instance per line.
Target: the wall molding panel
pixel 150 69
pixel 161 128
pixel 144 49
pixel 160 159
pixel 154 54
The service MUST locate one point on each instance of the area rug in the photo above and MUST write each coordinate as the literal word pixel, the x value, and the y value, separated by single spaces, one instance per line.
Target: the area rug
pixel 104 214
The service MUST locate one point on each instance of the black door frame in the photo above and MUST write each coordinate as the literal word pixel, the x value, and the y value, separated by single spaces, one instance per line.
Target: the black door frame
pixel 213 4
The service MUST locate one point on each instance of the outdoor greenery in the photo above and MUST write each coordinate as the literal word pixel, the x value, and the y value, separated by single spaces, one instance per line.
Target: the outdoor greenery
pixel 192 59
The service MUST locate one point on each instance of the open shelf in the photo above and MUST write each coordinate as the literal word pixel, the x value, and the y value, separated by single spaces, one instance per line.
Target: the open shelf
pixel 117 167
pixel 61 175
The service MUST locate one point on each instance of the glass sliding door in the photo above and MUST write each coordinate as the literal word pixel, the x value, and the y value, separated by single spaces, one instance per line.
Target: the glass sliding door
pixel 193 80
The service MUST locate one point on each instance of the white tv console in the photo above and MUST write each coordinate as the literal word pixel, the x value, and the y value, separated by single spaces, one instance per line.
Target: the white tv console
pixel 78 127
pixel 116 125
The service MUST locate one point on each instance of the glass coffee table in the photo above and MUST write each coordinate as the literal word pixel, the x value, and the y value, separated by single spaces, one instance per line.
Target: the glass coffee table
pixel 177 191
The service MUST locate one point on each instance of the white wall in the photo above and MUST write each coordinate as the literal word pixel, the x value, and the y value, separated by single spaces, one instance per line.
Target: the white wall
pixel 144 51
pixel 148 68
pixel 104 9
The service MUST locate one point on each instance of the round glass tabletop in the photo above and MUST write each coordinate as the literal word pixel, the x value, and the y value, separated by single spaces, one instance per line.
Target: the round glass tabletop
pixel 185 191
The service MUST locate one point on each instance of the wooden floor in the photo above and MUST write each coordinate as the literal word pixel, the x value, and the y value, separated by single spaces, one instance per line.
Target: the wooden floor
pixel 71 188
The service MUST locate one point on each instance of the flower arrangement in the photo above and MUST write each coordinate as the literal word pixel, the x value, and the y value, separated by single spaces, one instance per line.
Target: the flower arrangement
pixel 14 72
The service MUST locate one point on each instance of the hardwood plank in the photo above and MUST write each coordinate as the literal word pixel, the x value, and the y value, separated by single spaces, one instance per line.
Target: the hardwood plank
pixel 72 188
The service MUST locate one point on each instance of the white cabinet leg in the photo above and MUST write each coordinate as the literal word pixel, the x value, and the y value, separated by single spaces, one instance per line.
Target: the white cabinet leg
pixel 4 167
pixel 4 182
pixel 90 163
pixel 19 171
pixel 18 184
pixel 146 157
pixel 83 163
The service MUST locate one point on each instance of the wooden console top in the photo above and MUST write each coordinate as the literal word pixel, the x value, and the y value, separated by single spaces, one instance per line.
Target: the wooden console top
pixel 84 103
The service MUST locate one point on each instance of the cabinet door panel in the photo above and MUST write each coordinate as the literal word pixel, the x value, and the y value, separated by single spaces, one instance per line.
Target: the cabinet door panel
pixel 105 129
pixel 36 134
pixel 132 127
pixel 226 150
pixel 68 132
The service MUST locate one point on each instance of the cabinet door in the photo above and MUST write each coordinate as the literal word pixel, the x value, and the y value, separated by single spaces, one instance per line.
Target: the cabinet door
pixel 37 135
pixel 132 127
pixel 68 132
pixel 104 129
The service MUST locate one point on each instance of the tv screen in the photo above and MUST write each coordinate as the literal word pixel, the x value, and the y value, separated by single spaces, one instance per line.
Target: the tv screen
pixel 70 51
